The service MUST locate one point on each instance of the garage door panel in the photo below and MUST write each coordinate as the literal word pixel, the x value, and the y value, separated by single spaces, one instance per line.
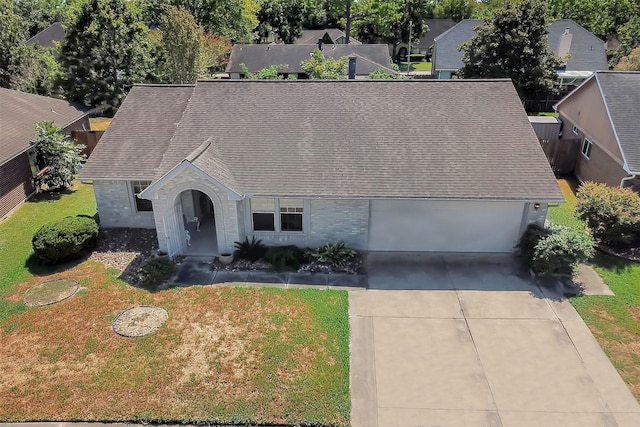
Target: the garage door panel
pixel 443 226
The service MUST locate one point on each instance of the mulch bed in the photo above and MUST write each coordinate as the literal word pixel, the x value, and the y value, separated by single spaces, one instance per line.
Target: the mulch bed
pixel 354 266
pixel 631 253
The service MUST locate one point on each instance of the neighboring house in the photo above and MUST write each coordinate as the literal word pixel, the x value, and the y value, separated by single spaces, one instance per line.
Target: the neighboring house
pixel 259 56
pixel 328 36
pixel 424 46
pixel 585 52
pixel 604 113
pixel 312 162
pixel 19 113
pixel 49 36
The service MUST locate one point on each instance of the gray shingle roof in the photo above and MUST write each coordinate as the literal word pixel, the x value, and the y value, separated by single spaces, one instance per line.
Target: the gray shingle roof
pixel 343 139
pixel 19 113
pixel 312 36
pixel 587 51
pixel 621 92
pixel 259 56
pixel 436 27
pixel 136 140
pixel 46 37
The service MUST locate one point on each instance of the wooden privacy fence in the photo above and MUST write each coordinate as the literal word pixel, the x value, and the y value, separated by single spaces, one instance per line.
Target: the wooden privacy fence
pixel 561 153
pixel 88 138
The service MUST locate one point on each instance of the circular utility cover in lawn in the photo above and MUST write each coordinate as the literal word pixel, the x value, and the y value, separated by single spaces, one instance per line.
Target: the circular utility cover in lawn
pixel 139 321
pixel 50 292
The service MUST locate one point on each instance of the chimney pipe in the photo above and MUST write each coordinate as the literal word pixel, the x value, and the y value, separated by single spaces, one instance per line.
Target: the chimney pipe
pixel 352 68
pixel 320 43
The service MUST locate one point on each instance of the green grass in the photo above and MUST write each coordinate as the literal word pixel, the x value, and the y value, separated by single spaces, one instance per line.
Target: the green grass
pixel 16 262
pixel 416 66
pixel 614 320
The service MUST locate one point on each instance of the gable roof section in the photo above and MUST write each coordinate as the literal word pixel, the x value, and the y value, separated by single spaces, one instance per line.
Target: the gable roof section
pixel 312 36
pixel 340 139
pixel 621 94
pixel 19 113
pixel 47 37
pixel 136 140
pixel 436 27
pixel 587 51
pixel 259 56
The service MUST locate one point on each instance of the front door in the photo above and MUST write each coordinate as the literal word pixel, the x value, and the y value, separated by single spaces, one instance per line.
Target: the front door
pixel 174 230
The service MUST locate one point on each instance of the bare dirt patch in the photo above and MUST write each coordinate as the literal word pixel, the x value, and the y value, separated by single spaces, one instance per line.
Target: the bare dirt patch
pixel 50 292
pixel 140 321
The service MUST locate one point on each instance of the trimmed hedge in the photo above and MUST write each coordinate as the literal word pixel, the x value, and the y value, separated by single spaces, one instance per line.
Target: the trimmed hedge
pixel 65 239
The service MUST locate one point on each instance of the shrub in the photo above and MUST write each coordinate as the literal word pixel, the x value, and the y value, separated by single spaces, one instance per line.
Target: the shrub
pixel 334 253
pixel 285 256
pixel 252 250
pixel 612 214
pixel 156 270
pixel 556 249
pixel 65 239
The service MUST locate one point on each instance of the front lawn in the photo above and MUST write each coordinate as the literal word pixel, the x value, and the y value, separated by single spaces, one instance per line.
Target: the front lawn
pixel 613 320
pixel 416 66
pixel 226 355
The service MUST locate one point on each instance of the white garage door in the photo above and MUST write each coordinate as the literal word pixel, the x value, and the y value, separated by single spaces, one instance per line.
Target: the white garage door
pixel 444 226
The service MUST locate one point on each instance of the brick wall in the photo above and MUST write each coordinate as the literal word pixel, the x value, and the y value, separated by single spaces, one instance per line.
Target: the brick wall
pixel 116 207
pixel 15 183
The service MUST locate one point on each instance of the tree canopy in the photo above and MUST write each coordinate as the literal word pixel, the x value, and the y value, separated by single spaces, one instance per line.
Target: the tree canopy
pixel 105 51
pixel 182 41
pixel 59 153
pixel 320 67
pixel 630 62
pixel 514 44
pixel 285 17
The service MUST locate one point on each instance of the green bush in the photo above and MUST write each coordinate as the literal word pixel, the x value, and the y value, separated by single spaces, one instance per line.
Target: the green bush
pixel 65 239
pixel 556 249
pixel 285 256
pixel 333 253
pixel 156 270
pixel 252 250
pixel 612 214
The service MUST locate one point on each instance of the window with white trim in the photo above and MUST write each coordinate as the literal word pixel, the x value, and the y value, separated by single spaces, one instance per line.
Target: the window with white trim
pixel 575 130
pixel 586 148
pixel 291 214
pixel 142 205
pixel 263 212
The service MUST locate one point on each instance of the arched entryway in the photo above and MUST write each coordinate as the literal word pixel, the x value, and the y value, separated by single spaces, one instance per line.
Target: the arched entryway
pixel 198 216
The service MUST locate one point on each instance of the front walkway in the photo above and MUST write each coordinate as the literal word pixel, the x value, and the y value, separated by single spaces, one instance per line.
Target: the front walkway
pixel 472 341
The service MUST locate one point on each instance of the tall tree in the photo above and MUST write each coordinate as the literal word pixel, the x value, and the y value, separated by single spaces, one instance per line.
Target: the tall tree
pixel 105 52
pixel 59 153
pixel 388 20
pixel 182 41
pixel 320 67
pixel 457 10
pixel 514 44
pixel 284 17
pixel 629 35
pixel 13 30
pixel 630 62
pixel 41 13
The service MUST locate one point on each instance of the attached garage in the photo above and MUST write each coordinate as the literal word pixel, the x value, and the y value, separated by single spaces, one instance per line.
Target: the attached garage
pixel 445 226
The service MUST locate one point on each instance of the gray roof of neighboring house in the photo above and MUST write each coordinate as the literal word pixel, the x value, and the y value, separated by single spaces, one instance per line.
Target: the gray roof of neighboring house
pixel 312 36
pixel 19 113
pixel 587 51
pixel 46 37
pixel 135 142
pixel 436 27
pixel 259 56
pixel 621 91
pixel 338 139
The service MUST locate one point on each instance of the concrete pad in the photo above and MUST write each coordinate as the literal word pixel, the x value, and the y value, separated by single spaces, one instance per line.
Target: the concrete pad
pixel 307 279
pixel 194 272
pixel 590 282
pixel 407 271
pixel 230 277
pixel 505 305
pixel 392 417
pixel 627 420
pixel 265 277
pixel 557 419
pixel 363 381
pixel 506 275
pixel 347 280
pixel 425 304
pixel 532 365
pixel 428 364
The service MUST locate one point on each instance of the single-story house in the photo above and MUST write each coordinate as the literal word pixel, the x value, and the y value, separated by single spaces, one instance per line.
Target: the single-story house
pixel 19 113
pixel 424 45
pixel 327 35
pixel 317 161
pixel 258 56
pixel 585 51
pixel 48 37
pixel 604 113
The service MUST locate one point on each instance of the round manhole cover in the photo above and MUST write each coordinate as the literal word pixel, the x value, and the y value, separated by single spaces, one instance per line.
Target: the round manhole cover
pixel 50 292
pixel 139 321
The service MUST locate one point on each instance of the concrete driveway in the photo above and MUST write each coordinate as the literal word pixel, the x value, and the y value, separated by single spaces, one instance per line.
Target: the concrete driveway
pixel 473 341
